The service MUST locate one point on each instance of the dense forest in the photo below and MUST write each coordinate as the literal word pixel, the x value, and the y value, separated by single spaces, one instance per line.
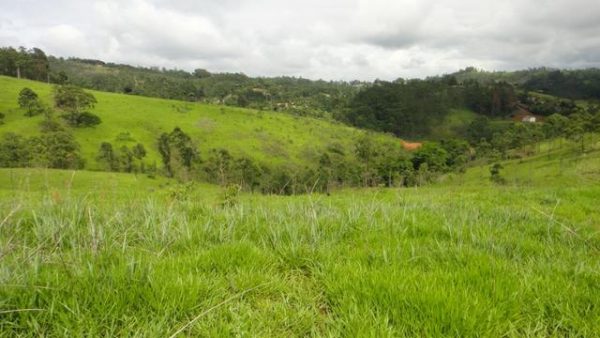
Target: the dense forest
pixel 410 108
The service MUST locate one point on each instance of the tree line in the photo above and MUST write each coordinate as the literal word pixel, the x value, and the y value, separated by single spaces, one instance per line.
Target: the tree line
pixel 368 162
pixel 30 64
pixel 572 84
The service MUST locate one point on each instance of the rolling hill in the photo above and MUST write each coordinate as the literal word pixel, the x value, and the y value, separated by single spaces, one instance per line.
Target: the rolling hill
pixel 92 253
pixel 127 120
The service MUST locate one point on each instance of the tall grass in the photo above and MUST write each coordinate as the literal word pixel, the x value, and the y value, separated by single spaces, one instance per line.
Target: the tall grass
pixel 439 261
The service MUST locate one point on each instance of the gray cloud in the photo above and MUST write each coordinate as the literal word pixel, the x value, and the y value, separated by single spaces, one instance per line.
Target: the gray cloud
pixel 335 39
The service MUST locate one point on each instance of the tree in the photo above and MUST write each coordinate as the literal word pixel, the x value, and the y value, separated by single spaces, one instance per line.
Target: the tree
pixel 201 73
pixel 56 150
pixel 39 66
pixel 50 124
pixel 479 129
pixel 164 150
pixel 218 166
pixel 431 154
pixel 22 61
pixel 365 151
pixel 28 100
pixel 75 101
pixel 107 157
pixel 246 173
pixel 495 175
pixel 61 78
pixel 126 159
pixel 8 58
pixel 31 64
pixel 405 108
pixel 393 165
pixel 501 142
pixel 555 125
pixel 178 153
pixel 139 151
pixel 83 119
pixel 458 153
pixel 483 148
pixel 14 152
pixel 577 127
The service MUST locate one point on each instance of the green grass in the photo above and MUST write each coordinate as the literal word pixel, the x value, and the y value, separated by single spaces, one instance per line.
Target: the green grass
pixel 454 123
pixel 584 104
pixel 264 136
pixel 117 255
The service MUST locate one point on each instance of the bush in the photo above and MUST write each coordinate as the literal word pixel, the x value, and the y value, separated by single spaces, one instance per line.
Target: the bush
pixel 29 101
pixel 84 119
pixel 495 175
pixel 230 195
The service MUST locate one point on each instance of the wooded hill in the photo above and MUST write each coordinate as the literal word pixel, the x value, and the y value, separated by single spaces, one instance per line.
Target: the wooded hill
pixel 64 126
pixel 407 108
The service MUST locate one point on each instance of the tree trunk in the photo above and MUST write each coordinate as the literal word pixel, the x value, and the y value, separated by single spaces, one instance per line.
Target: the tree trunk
pixel 18 72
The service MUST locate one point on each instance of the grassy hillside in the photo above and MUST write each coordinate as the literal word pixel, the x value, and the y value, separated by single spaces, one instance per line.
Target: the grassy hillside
pixel 454 124
pixel 464 257
pixel 127 120
pixel 558 163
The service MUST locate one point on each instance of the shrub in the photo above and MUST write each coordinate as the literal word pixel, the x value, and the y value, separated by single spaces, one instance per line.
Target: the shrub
pixel 495 175
pixel 84 119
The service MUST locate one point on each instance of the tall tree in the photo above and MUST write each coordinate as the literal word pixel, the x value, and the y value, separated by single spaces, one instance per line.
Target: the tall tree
pixel 576 129
pixel 178 153
pixel 75 102
pixel 107 157
pixel 28 100
pixel 14 152
pixel 38 66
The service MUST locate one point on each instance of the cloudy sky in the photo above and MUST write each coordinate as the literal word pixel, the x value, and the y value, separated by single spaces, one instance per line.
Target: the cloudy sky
pixel 329 39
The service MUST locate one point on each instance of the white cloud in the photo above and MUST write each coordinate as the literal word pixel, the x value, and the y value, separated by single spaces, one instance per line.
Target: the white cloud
pixel 335 39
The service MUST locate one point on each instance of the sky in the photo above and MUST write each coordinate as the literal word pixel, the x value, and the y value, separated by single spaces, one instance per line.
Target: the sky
pixel 327 39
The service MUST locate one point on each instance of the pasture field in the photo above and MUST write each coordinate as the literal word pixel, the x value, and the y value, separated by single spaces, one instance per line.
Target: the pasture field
pixel 102 254
pixel 264 136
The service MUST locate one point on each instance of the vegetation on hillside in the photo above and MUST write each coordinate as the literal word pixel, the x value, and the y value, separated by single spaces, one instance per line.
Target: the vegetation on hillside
pixel 172 228
pixel 87 253
pixel 294 95
pixel 22 63
pixel 362 160
pixel 413 108
pixel 407 108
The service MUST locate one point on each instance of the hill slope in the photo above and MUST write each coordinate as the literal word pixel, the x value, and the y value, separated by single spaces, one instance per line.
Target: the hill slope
pixel 464 257
pixel 127 120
